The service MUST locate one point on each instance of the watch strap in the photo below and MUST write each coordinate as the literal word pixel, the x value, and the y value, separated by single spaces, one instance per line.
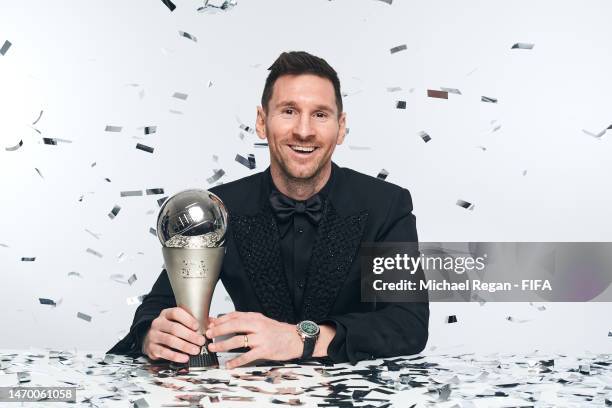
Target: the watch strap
pixel 309 345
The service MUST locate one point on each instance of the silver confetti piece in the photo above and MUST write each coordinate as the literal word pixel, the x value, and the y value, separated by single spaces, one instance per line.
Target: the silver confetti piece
pixel 180 95
pixel 13 148
pixel 28 259
pixel 523 46
pixel 465 204
pixel 94 252
pixel 132 279
pixel 84 316
pixel 398 48
pixel 110 128
pixel 131 193
pixel 154 191
pixel 382 174
pixel 45 301
pixel 144 148
pixel 426 138
pixel 150 130
pixel 38 118
pixel 5 47
pixel 114 212
pixel 187 35
pixel 488 99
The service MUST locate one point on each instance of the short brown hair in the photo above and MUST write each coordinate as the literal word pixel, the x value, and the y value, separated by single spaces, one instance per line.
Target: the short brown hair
pixel 296 63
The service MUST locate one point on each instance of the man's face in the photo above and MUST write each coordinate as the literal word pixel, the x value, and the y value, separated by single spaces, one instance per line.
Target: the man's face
pixel 302 125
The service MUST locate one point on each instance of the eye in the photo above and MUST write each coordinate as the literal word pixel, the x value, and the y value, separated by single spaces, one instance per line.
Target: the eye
pixel 320 115
pixel 288 111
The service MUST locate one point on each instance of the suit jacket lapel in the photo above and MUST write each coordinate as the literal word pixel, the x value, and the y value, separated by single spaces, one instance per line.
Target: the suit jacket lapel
pixel 336 245
pixel 257 240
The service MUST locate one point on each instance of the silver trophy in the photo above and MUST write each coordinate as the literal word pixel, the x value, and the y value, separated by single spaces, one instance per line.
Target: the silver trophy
pixel 191 227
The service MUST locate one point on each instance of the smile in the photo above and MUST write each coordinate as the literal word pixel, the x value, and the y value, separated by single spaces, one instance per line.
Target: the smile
pixel 303 149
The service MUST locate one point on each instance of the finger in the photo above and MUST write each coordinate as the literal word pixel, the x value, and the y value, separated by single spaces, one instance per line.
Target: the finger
pixel 178 330
pixel 159 351
pixel 243 359
pixel 229 316
pixel 237 325
pixel 229 344
pixel 176 343
pixel 178 314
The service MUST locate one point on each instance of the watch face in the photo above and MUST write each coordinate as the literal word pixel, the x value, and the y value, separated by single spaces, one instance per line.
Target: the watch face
pixel 309 328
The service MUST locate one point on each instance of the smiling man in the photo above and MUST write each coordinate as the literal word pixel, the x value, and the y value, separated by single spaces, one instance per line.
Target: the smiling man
pixel 291 265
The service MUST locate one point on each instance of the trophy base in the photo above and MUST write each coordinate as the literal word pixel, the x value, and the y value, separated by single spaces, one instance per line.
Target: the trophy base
pixel 203 361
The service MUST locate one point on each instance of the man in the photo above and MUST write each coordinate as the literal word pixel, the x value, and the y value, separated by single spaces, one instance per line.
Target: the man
pixel 292 244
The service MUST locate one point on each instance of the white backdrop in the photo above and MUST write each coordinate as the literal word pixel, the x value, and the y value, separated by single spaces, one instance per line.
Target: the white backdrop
pixel 92 64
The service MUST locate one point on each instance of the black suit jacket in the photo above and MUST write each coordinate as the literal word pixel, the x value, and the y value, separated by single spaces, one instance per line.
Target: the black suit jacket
pixel 359 208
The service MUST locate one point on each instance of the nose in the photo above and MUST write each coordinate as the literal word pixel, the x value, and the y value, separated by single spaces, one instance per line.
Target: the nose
pixel 303 128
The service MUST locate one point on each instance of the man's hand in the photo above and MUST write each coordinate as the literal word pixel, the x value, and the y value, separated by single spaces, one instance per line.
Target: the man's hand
pixel 173 336
pixel 268 339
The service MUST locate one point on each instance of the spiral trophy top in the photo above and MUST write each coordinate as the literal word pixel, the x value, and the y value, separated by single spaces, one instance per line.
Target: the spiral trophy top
pixel 192 219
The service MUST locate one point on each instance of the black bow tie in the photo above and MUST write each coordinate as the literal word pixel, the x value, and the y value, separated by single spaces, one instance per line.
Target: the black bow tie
pixel 284 207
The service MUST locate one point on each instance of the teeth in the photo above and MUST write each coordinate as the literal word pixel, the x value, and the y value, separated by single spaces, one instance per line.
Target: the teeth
pixel 303 149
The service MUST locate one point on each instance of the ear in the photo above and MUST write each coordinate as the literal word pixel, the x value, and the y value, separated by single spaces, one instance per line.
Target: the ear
pixel 342 128
pixel 260 123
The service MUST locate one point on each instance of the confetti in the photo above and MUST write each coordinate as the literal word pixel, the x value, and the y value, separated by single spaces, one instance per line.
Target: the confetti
pixel 488 99
pixel 169 4
pixel 595 135
pixel 73 273
pixel 426 138
pixel 132 279
pixel 153 231
pixel 161 201
pixel 248 163
pixel 260 144
pixel 13 148
pixel 465 204
pixel 23 377
pixel 39 173
pixel 523 46
pixel 150 130
pixel 144 148
pixel 192 38
pixel 38 118
pixel 94 252
pixel 84 316
pixel 217 174
pixel 114 212
pixel 400 105
pixel 28 259
pixel 398 48
pixel 432 93
pixel 131 193
pixel 93 234
pixel 451 319
pixel 247 128
pixel 176 112
pixel 110 128
pixel 45 301
pixel 5 47
pixel 180 95
pixel 393 89
pixel 352 147
pixel 451 90
pixel 3 245
pixel 382 174
pixel 49 141
pixel 154 191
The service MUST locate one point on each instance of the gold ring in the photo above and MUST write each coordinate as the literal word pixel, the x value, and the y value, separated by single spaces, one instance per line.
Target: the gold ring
pixel 246 341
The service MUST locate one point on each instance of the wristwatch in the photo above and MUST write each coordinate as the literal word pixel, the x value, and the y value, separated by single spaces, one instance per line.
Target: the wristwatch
pixel 309 332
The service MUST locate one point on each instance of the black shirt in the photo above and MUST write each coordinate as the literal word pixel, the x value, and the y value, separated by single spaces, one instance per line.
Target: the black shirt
pixel 297 237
